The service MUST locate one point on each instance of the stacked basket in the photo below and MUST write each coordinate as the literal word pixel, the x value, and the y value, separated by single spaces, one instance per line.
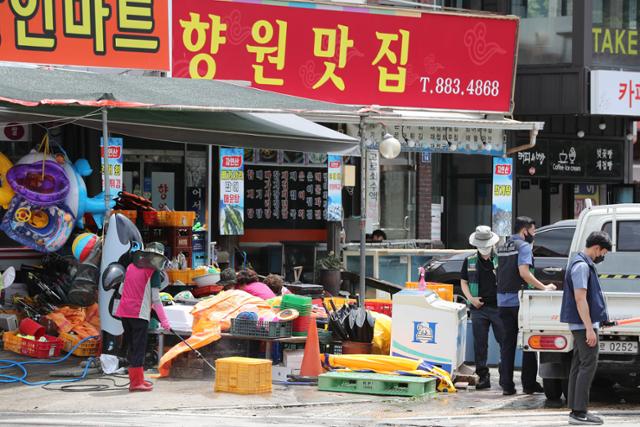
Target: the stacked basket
pixel 303 305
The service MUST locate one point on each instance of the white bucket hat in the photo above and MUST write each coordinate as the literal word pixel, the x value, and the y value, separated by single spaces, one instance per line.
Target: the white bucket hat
pixel 483 237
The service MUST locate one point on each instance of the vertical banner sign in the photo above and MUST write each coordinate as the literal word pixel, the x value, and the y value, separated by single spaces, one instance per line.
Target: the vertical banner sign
pixel 163 190
pixel 195 202
pixel 231 191
pixel 373 190
pixel 502 211
pixel 334 199
pixel 115 164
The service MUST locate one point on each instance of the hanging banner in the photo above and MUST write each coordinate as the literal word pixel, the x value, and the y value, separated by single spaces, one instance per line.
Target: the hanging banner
pixel 163 190
pixel 334 200
pixel 350 54
pixel 115 164
pixel 231 191
pixel 373 190
pixel 502 211
pixel 105 33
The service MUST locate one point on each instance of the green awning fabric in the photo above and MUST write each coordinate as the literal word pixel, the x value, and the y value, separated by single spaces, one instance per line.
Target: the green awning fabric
pixel 178 110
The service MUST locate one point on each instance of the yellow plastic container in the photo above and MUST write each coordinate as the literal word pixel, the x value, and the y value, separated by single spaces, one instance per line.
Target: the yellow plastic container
pixel 176 218
pixel 88 348
pixel 243 375
pixel 12 342
pixel 444 290
pixel 338 301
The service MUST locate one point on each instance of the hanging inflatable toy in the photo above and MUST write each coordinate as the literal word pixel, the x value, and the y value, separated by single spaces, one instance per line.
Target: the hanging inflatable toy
pixel 43 228
pixel 122 236
pixel 43 183
pixel 83 245
pixel 77 199
pixel 6 192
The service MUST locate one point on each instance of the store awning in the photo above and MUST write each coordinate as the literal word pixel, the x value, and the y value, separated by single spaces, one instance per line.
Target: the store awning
pixel 179 110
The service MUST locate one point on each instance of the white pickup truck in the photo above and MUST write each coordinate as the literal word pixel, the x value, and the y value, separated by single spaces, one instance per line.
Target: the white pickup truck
pixel 539 318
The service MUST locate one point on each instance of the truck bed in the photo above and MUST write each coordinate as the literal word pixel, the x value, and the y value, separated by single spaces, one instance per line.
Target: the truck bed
pixel 540 313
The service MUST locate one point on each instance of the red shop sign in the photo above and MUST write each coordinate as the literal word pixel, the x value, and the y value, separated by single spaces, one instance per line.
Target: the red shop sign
pixel 349 54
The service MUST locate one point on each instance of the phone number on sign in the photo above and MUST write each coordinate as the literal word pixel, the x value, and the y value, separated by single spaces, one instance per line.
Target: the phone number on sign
pixel 454 86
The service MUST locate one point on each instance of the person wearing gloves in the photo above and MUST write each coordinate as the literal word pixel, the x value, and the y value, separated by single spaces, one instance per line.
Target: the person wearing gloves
pixel 479 285
pixel 141 293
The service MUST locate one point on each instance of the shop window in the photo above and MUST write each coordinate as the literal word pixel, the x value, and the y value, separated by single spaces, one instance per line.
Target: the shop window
pixel 628 235
pixel 553 243
pixel 611 14
pixel 546 31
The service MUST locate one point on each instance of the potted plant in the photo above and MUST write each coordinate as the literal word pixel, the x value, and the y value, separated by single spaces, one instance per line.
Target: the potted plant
pixel 329 273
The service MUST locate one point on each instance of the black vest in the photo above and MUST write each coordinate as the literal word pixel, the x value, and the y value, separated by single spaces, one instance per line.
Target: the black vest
pixel 509 280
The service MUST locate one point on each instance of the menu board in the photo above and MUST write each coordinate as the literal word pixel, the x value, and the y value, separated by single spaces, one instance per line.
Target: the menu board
pixel 285 197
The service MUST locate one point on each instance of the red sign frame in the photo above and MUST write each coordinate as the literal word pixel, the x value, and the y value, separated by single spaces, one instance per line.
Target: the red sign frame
pixel 351 55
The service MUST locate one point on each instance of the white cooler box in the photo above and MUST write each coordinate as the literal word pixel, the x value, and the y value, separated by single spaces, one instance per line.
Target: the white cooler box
pixel 429 328
pixel 180 317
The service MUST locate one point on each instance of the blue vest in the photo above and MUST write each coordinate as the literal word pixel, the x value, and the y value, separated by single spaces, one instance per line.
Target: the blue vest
pixel 595 298
pixel 509 279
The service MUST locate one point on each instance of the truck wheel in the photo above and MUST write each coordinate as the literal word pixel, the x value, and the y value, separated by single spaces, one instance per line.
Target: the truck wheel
pixel 553 388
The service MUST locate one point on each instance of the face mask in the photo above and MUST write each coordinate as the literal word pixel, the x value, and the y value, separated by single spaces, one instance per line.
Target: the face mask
pixel 529 238
pixel 485 251
pixel 598 259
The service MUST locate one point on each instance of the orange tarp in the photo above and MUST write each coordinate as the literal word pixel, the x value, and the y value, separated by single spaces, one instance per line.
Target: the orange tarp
pixel 85 322
pixel 210 318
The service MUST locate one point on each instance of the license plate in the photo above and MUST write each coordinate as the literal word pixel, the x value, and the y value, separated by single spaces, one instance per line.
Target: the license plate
pixel 618 347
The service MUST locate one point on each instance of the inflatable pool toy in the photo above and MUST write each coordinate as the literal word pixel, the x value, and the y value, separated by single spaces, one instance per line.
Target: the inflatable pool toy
pixel 77 199
pixel 43 228
pixel 6 192
pixel 43 183
pixel 83 245
pixel 121 237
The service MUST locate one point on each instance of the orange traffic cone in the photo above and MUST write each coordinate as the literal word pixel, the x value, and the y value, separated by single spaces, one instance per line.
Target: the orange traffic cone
pixel 311 365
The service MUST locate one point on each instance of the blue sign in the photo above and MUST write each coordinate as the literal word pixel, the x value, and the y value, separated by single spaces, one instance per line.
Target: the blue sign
pixel 115 157
pixel 231 191
pixel 502 195
pixel 334 195
pixel 424 332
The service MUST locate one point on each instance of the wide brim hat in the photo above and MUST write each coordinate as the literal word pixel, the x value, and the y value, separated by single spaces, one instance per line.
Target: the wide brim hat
pixel 152 256
pixel 483 237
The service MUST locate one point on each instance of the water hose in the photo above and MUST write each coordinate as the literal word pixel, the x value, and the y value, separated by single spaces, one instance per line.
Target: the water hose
pixel 12 364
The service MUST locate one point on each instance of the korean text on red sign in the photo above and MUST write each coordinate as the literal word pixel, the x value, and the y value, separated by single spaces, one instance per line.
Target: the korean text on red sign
pixel 94 33
pixel 351 55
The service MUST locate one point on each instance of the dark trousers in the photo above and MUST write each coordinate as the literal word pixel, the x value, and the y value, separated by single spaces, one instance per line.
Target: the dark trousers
pixel 135 336
pixel 481 320
pixel 583 369
pixel 509 317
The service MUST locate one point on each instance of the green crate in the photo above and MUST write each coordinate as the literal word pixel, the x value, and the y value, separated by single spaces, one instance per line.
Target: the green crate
pixel 387 385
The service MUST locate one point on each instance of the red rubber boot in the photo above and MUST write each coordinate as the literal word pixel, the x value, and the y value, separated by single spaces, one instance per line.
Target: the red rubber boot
pixel 136 380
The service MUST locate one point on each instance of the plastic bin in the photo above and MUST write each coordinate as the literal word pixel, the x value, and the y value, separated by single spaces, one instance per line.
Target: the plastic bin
pixel 243 375
pixel 185 276
pixel 89 348
pixel 444 290
pixel 42 350
pixel 12 342
pixel 260 328
pixel 205 291
pixel 176 218
pixel 383 306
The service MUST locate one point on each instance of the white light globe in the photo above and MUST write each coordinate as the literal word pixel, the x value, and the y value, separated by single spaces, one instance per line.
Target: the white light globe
pixel 390 147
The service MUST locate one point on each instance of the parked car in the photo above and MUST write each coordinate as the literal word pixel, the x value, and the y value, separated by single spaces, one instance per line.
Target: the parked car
pixel 550 249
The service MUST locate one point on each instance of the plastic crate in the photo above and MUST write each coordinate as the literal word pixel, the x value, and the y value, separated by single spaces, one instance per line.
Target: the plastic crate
pixel 444 290
pixel 176 218
pixel 205 291
pixel 185 276
pixel 243 375
pixel 88 348
pixel 131 214
pixel 42 350
pixel 150 218
pixel 386 385
pixel 383 306
pixel 260 328
pixel 12 342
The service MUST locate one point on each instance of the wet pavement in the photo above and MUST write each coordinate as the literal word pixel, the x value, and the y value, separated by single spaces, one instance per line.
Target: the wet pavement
pixel 193 402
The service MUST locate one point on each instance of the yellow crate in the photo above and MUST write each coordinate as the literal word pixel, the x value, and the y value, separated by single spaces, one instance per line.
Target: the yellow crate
pixel 243 375
pixel 176 218
pixel 88 348
pixel 338 301
pixel 131 214
pixel 12 342
pixel 444 290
